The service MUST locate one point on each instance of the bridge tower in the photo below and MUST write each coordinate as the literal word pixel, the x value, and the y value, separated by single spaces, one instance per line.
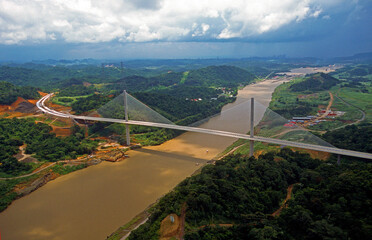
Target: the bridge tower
pixel 126 117
pixel 251 142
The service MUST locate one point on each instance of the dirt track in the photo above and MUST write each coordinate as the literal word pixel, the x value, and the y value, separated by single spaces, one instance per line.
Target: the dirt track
pixel 289 195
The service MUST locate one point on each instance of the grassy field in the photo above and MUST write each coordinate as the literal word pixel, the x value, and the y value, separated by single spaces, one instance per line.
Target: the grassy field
pixel 287 102
pixel 67 101
pixel 358 99
pixel 184 77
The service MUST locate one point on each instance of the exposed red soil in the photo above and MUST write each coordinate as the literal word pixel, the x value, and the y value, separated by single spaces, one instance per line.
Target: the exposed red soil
pixel 4 108
pixel 14 105
pixel 284 205
pixel 173 230
pixel 33 101
pixel 313 153
pixel 63 132
pixel 42 93
pixel 20 108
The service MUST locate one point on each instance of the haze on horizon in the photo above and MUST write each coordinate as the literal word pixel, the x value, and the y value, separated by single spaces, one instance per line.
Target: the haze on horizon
pixel 69 29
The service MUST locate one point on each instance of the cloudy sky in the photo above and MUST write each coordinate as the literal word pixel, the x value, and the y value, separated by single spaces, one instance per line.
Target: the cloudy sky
pixel 40 29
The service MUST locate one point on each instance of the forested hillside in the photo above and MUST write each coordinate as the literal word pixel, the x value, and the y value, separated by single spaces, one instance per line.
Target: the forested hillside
pixel 44 145
pixel 51 77
pixel 9 93
pixel 138 83
pixel 75 90
pixel 217 76
pixel 184 98
pixel 176 108
pixel 330 201
pixel 354 137
pixel 316 82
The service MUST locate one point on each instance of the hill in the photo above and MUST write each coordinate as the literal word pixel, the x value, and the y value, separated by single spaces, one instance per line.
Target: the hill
pixel 213 76
pixel 219 76
pixel 139 83
pixel 51 77
pixel 9 93
pixel 315 82
pixel 237 199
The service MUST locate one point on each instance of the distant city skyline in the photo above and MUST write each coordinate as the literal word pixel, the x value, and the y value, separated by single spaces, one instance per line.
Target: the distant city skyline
pixel 127 29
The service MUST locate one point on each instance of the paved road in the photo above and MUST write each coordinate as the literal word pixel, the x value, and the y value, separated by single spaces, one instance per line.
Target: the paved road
pixel 41 105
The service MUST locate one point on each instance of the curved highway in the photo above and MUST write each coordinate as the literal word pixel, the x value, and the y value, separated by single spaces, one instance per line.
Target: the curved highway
pixel 41 105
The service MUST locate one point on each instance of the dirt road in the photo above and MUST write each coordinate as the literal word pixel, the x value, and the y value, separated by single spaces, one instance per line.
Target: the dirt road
pixel 289 195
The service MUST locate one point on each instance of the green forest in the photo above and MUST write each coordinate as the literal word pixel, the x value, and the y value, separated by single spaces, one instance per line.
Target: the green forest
pixel 9 93
pixel 354 137
pixel 314 83
pixel 170 94
pixel 75 90
pixel 86 104
pixel 52 77
pixel 42 144
pixel 330 201
pixel 217 76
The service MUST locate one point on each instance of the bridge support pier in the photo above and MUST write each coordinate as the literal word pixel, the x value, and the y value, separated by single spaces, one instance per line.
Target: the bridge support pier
pixel 127 134
pixel 338 159
pixel 251 142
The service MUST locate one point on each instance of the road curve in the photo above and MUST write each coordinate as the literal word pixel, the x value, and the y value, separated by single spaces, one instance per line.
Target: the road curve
pixel 353 123
pixel 41 105
pixel 30 174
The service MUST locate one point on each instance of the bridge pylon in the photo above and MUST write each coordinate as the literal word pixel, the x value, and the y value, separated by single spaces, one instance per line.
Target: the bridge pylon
pixel 126 118
pixel 251 142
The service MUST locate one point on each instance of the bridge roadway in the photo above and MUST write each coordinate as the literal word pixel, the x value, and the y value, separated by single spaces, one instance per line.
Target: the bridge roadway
pixel 41 105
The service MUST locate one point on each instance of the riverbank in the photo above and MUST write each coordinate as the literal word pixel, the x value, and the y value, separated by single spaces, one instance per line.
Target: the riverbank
pixel 244 94
pixel 93 202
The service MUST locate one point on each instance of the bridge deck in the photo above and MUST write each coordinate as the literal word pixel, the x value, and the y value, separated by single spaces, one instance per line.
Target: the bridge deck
pixel 41 105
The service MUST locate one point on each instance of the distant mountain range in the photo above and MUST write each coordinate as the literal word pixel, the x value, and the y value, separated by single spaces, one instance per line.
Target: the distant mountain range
pixel 191 63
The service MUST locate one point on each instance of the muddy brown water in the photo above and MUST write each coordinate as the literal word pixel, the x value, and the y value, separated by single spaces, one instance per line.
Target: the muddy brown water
pixel 94 202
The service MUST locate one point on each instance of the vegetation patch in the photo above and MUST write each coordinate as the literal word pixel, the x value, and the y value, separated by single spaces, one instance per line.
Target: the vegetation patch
pixel 9 93
pixel 237 197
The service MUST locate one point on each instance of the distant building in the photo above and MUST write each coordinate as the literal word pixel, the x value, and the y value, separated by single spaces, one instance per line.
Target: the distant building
pixel 301 118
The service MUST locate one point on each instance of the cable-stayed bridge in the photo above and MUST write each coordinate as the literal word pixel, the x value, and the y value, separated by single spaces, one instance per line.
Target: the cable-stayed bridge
pixel 41 105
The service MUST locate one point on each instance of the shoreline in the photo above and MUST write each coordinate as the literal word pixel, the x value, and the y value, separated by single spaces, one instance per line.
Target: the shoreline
pixel 143 216
pixel 127 187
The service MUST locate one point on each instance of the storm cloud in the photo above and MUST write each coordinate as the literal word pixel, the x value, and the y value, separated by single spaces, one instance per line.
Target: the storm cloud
pixel 92 21
pixel 36 29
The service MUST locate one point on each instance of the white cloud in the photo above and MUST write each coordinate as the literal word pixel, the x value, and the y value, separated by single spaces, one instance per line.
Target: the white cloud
pixel 149 20
pixel 326 17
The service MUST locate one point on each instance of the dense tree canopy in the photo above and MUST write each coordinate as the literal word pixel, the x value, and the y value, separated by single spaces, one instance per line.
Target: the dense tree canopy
pixel 219 76
pixel 354 137
pixel 44 145
pixel 315 82
pixel 9 93
pixel 75 90
pixel 330 201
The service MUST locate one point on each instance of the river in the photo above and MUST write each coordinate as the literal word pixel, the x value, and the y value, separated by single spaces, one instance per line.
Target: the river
pixel 94 202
